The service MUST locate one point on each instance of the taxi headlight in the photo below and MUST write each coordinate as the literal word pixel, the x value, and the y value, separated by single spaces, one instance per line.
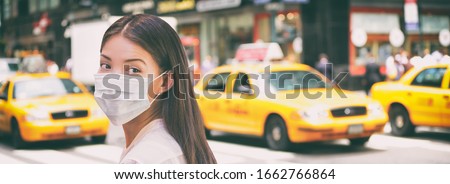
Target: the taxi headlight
pixel 375 108
pixel 37 115
pixel 315 115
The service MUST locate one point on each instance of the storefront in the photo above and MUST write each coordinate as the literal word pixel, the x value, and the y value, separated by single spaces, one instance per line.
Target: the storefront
pixel 377 25
pixel 228 25
pixel 280 24
pixel 224 31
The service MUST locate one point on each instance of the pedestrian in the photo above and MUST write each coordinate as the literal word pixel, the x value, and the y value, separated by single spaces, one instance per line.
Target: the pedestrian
pixel 399 66
pixel 391 70
pixel 372 74
pixel 208 64
pixel 324 66
pixel 52 67
pixel 164 125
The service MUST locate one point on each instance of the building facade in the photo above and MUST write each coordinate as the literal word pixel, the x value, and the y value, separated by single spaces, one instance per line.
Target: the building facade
pixel 303 28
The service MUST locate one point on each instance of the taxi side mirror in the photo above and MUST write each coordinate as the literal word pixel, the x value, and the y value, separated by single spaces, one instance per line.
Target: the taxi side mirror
pixel 245 90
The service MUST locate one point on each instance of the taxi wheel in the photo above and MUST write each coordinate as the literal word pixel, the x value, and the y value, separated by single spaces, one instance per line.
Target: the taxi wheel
pixel 98 139
pixel 400 123
pixel 276 134
pixel 359 141
pixel 16 139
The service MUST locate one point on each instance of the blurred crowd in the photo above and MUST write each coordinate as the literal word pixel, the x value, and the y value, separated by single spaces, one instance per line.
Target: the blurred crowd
pixel 401 62
pixel 396 65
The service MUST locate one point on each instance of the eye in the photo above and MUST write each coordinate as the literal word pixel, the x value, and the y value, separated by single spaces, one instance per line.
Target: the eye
pixel 105 66
pixel 133 70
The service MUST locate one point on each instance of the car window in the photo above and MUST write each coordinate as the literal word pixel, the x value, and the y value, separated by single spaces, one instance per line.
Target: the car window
pixel 431 77
pixel 292 80
pixel 241 84
pixel 44 87
pixel 218 82
pixel 13 67
pixel 4 91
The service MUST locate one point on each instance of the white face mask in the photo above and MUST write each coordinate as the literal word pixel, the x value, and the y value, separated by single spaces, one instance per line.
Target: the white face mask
pixel 122 97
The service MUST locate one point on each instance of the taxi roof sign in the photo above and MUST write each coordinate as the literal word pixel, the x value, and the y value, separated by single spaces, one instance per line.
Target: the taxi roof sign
pixel 264 52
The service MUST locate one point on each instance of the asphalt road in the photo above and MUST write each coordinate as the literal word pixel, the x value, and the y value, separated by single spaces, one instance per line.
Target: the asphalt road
pixel 427 146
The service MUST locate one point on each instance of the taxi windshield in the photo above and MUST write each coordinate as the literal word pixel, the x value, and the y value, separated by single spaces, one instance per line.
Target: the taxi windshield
pixel 293 80
pixel 44 87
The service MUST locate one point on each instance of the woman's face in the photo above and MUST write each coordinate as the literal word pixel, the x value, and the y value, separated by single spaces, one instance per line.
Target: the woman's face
pixel 122 56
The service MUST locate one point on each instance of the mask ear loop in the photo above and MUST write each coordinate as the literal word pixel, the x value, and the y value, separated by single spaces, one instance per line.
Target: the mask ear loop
pixel 165 72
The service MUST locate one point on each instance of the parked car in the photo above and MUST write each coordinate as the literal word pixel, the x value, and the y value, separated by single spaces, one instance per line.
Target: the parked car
pixel 40 107
pixel 8 67
pixel 235 99
pixel 420 98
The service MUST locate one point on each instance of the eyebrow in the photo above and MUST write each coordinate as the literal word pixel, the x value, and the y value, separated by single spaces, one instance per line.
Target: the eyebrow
pixel 128 60
pixel 135 59
pixel 106 57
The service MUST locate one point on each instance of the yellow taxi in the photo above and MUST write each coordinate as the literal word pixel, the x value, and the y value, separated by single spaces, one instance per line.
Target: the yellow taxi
pixel 285 103
pixel 38 107
pixel 419 98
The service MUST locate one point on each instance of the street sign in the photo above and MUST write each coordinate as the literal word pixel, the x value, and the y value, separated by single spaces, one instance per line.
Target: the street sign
pixel 210 5
pixel 274 7
pixel 444 37
pixel 138 7
pixel 258 2
pixel 359 37
pixel 396 37
pixel 411 15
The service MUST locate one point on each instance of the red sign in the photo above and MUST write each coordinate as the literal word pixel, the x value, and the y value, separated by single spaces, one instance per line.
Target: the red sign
pixel 251 54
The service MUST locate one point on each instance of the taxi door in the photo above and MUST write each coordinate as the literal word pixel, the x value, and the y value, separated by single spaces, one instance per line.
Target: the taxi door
pixel 446 99
pixel 243 105
pixel 427 97
pixel 212 101
pixel 3 104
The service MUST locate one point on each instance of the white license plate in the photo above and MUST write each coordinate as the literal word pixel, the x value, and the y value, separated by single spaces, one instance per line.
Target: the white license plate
pixel 73 130
pixel 355 129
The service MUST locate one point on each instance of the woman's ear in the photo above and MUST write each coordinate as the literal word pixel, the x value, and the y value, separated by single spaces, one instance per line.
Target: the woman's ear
pixel 168 82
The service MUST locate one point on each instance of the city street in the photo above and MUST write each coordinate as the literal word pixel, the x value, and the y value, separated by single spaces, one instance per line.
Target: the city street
pixel 427 146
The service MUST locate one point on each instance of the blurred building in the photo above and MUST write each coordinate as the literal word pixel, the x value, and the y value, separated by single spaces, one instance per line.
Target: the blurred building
pixel 379 18
pixel 39 26
pixel 303 28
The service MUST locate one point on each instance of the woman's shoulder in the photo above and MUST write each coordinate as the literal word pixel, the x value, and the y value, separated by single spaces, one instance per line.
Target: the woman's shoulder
pixel 152 151
pixel 156 146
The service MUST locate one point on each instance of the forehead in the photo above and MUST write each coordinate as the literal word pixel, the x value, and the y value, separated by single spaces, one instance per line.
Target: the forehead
pixel 120 46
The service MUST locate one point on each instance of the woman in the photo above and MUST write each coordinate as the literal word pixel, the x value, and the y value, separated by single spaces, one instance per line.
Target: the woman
pixel 165 124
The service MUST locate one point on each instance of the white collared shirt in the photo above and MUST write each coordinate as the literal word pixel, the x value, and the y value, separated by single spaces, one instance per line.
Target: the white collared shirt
pixel 153 145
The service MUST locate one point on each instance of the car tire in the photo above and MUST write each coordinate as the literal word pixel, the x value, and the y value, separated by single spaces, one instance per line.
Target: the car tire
pixel 17 141
pixel 359 141
pixel 276 135
pixel 98 139
pixel 400 123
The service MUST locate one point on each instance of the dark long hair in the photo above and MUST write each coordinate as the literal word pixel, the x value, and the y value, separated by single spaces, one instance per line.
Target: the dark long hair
pixel 177 106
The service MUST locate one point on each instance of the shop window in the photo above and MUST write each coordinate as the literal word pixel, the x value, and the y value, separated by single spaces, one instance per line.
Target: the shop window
pixel 7 9
pixel 287 28
pixel 54 4
pixel 42 5
pixel 240 28
pixel 263 27
pixel 375 23
pixel 384 51
pixel 379 51
pixel 32 6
